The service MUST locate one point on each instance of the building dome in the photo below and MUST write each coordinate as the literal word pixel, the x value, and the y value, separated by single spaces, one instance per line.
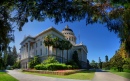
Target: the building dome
pixel 69 34
pixel 67 29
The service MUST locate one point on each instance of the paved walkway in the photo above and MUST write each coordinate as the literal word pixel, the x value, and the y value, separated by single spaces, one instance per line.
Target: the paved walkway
pixel 28 77
pixel 106 76
pixel 99 76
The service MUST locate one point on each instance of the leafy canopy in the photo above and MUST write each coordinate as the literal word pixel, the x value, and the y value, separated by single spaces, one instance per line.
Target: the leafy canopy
pixel 114 13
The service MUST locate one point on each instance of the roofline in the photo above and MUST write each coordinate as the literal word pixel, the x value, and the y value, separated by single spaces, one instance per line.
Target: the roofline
pixel 50 28
pixel 27 38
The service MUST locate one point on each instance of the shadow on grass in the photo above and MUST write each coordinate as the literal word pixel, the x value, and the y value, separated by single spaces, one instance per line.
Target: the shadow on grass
pixel 86 71
pixel 3 71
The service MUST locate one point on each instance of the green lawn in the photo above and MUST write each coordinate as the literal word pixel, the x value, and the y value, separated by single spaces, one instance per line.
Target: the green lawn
pixel 82 75
pixel 123 74
pixel 6 77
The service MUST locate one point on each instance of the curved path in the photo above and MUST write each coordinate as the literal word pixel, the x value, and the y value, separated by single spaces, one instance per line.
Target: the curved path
pixel 29 77
pixel 107 76
pixel 99 76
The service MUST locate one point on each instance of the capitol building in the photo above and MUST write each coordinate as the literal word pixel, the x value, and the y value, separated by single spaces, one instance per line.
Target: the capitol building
pixel 32 46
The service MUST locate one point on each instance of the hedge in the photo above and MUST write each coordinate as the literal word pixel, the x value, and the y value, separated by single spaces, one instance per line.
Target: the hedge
pixel 52 66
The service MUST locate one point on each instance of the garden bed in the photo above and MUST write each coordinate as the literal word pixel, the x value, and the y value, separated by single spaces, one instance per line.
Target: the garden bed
pixel 57 72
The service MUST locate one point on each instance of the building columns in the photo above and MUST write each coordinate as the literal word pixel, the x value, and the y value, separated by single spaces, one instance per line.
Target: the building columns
pixel 28 55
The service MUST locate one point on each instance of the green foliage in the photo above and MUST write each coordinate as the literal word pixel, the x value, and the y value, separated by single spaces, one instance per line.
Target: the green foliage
pixel 56 43
pixel 127 67
pixel 16 65
pixel 40 67
pixel 73 64
pixel 50 60
pixel 52 66
pixel 93 64
pixel 48 42
pixel 62 47
pixel 75 58
pixel 117 19
pixel 34 62
pixel 68 46
pixel 106 65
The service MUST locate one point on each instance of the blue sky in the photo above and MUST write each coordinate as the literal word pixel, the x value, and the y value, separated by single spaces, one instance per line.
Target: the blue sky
pixel 96 37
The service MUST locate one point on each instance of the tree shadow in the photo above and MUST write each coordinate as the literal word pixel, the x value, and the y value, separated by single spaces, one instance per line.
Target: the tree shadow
pixel 98 70
pixel 87 71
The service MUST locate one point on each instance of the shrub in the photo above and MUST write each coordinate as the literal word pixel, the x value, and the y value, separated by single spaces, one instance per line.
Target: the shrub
pixel 40 67
pixel 114 68
pixel 69 67
pixel 34 62
pixel 16 64
pixel 73 64
pixel 127 67
pixel 50 60
pixel 52 66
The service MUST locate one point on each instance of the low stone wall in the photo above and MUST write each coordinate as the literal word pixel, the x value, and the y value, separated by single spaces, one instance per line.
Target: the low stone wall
pixel 58 72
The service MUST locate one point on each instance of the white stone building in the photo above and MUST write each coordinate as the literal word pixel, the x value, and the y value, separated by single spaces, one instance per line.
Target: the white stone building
pixel 32 46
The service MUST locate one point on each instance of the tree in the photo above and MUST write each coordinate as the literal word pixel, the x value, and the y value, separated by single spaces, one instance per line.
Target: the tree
pixel 93 64
pixel 35 61
pixel 117 61
pixel 14 53
pixel 56 43
pixel 100 63
pixel 117 19
pixel 48 42
pixel 62 47
pixel 68 46
pixel 75 58
pixel 106 58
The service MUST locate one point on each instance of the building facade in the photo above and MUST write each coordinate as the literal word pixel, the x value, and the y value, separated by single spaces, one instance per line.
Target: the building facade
pixel 32 46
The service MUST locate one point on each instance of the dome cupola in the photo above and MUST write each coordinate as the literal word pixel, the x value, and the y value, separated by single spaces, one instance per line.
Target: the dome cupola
pixel 69 34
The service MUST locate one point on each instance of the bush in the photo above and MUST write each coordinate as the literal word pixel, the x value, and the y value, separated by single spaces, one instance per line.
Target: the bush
pixel 50 60
pixel 40 67
pixel 16 65
pixel 114 68
pixel 73 64
pixel 34 62
pixel 53 66
pixel 127 67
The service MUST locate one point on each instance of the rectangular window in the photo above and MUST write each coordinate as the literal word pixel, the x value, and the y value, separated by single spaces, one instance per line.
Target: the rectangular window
pixel 40 42
pixel 36 44
pixel 41 51
pixel 46 51
pixel 36 52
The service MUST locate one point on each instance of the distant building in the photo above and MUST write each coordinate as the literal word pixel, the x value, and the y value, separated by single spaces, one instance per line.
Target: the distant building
pixel 32 46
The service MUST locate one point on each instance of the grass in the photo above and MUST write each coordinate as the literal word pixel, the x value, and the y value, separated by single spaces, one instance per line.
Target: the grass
pixel 123 74
pixel 6 77
pixel 82 75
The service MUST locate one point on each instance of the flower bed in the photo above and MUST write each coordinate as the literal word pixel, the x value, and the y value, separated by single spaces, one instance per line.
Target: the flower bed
pixel 58 72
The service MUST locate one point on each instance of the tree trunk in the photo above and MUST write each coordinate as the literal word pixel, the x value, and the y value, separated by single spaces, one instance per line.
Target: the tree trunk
pixel 67 55
pixel 48 51
pixel 56 53
pixel 62 56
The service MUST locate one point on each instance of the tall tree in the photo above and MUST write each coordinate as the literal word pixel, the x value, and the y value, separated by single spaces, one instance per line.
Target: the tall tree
pixel 48 42
pixel 75 58
pixel 116 19
pixel 68 46
pixel 100 63
pixel 56 43
pixel 106 58
pixel 62 47
pixel 14 53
